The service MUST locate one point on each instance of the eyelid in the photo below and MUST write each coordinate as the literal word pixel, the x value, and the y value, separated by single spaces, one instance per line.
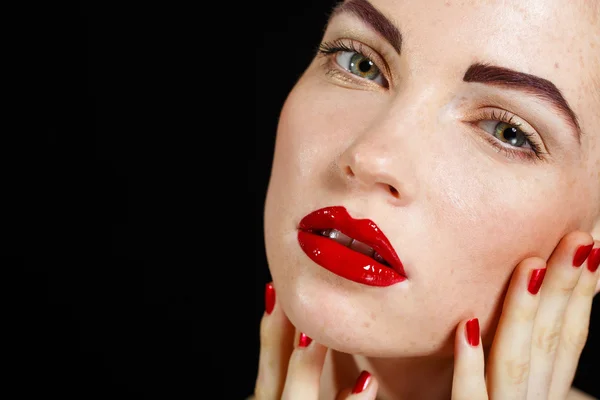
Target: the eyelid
pixel 351 28
pixel 490 113
pixel 494 113
pixel 359 47
pixel 483 113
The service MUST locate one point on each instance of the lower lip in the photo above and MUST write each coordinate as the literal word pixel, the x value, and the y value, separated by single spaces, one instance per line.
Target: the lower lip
pixel 346 262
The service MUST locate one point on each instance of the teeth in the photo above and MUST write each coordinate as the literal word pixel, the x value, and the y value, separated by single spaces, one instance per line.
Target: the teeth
pixel 338 236
pixel 352 243
pixel 377 257
pixel 362 248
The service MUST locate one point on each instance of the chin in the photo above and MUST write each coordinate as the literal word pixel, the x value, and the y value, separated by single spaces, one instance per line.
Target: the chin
pixel 331 322
pixel 335 314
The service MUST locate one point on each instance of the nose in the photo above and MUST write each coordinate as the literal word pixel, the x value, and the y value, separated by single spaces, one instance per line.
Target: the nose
pixel 370 165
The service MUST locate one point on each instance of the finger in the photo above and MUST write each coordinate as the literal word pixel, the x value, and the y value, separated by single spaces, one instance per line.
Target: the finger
pixel 276 345
pixel 564 268
pixel 365 388
pixel 468 381
pixel 575 327
pixel 304 370
pixel 508 361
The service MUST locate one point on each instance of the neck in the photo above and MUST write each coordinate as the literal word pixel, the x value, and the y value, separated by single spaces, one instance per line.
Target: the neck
pixel 426 378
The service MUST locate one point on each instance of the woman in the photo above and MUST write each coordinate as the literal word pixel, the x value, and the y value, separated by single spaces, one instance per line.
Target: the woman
pixel 433 212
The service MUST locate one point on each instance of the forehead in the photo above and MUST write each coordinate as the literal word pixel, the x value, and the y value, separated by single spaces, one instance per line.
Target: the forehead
pixel 539 35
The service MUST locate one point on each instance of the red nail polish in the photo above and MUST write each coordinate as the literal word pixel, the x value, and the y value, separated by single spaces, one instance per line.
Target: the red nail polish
pixel 535 282
pixel 361 382
pixel 304 340
pixel 269 298
pixel 594 259
pixel 472 328
pixel 581 254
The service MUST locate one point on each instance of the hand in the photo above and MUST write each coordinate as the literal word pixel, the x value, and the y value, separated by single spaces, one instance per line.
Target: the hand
pixel 540 335
pixel 290 363
pixel 534 354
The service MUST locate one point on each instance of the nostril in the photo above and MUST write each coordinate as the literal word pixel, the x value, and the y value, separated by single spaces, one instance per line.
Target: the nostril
pixel 393 191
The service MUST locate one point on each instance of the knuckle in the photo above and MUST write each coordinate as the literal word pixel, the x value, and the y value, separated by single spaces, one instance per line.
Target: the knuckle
pixel 562 282
pixel 587 288
pixel 565 288
pixel 574 340
pixel 524 314
pixel 517 371
pixel 547 339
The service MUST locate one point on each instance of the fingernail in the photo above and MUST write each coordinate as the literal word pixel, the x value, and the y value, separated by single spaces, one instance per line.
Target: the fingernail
pixel 535 282
pixel 594 259
pixel 304 340
pixel 581 254
pixel 472 328
pixel 361 382
pixel 269 298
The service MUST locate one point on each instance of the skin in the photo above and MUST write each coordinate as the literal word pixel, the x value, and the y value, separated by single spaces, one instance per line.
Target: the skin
pixel 462 214
pixel 534 354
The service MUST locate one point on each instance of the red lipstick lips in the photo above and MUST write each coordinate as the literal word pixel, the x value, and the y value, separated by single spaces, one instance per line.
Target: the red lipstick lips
pixel 382 268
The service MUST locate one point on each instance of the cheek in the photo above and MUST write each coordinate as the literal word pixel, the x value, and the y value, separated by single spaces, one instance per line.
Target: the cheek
pixel 496 211
pixel 319 118
pixel 295 150
pixel 483 218
pixel 303 151
pixel 317 123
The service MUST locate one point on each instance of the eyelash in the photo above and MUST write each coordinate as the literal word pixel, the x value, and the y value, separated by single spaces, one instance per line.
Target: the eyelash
pixel 535 153
pixel 328 49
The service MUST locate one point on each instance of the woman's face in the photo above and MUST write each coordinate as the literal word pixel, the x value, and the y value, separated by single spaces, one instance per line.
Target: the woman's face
pixel 458 136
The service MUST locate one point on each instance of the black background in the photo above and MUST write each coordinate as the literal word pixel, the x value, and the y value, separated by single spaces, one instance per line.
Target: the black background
pixel 146 267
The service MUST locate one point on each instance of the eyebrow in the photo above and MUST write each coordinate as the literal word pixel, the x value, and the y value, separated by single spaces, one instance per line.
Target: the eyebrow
pixel 373 18
pixel 530 84
pixel 478 72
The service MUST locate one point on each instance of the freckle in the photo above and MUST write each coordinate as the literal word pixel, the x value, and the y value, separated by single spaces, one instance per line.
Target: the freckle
pixel 556 65
pixel 524 12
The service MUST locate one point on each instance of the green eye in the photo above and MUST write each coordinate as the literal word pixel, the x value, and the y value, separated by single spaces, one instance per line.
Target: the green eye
pixel 510 134
pixel 508 137
pixel 360 65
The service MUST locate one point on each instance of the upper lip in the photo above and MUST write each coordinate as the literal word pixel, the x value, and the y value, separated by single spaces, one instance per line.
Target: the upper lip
pixel 363 230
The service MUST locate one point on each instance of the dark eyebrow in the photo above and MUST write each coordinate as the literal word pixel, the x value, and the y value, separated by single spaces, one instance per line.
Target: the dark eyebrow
pixel 539 87
pixel 372 17
pixel 478 72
